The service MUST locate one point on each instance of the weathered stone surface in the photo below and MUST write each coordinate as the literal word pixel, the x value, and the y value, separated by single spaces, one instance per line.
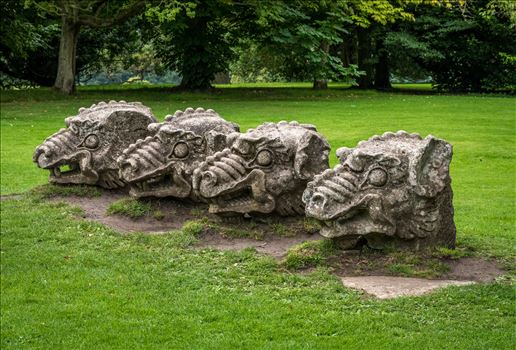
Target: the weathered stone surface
pixel 162 164
pixel 387 287
pixel 264 170
pixel 85 152
pixel 390 189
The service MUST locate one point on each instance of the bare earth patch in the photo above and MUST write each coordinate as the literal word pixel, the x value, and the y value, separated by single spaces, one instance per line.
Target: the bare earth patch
pixel 175 214
pixel 387 287
pixel 275 236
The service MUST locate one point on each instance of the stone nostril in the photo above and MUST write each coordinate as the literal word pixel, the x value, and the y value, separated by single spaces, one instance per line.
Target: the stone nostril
pixel 318 200
pixel 41 154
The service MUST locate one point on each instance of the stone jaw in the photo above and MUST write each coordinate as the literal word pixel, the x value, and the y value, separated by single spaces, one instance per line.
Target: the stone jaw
pixel 262 171
pixel 162 164
pixel 91 142
pixel 391 189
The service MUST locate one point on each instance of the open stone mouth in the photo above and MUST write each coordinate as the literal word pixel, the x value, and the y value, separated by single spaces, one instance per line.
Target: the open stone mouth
pixel 65 169
pixel 154 183
pixel 242 197
pixel 359 218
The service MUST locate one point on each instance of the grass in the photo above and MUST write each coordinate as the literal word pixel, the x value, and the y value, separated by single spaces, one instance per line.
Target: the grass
pixel 49 191
pixel 129 207
pixel 309 254
pixel 77 284
pixel 69 283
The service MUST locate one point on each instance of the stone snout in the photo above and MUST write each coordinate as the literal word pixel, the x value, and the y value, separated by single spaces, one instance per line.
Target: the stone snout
pixel 230 185
pixel 67 158
pixel 155 167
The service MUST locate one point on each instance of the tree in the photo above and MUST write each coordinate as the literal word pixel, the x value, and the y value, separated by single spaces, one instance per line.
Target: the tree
pixel 26 40
pixel 372 20
pixel 302 34
pixel 76 14
pixel 197 40
pixel 469 48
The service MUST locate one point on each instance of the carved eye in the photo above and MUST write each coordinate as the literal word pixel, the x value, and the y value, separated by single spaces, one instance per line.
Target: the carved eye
pixel 377 177
pixel 264 158
pixel 91 141
pixel 180 150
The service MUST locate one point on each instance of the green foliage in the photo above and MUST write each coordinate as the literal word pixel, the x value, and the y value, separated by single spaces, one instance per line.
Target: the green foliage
pixel 309 254
pixel 462 51
pixel 193 228
pixel 197 43
pixel 301 35
pixel 448 253
pixel 311 225
pixel 368 12
pixel 421 264
pixel 158 215
pixel 27 47
pixel 129 207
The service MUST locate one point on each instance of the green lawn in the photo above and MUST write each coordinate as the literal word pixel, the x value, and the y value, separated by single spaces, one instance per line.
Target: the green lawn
pixel 75 284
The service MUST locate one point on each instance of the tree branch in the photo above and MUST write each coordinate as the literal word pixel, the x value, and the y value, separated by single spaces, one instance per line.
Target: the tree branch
pixel 98 21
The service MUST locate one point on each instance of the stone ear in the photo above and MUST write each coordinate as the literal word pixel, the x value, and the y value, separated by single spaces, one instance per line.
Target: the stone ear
pixel 431 172
pixel 215 141
pixel 311 156
pixel 342 153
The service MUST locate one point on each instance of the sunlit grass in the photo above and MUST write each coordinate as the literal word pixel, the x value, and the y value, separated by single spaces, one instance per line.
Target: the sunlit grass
pixel 69 283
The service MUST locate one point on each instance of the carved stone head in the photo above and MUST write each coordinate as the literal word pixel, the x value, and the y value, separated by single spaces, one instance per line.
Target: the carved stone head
pixel 390 188
pixel 85 152
pixel 264 170
pixel 162 164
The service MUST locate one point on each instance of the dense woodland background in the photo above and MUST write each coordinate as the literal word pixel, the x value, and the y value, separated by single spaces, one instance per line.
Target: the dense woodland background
pixel 458 45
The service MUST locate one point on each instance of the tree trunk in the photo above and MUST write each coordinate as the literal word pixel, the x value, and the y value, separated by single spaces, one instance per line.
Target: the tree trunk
pixel 364 54
pixel 382 74
pixel 65 80
pixel 222 78
pixel 320 84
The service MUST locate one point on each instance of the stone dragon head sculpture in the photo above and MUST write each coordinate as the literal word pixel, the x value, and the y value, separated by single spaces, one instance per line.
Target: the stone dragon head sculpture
pixel 161 165
pixel 390 188
pixel 263 170
pixel 85 152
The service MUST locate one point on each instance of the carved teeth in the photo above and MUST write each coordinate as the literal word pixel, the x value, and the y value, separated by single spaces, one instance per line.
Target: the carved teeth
pixel 189 110
pixel 199 110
